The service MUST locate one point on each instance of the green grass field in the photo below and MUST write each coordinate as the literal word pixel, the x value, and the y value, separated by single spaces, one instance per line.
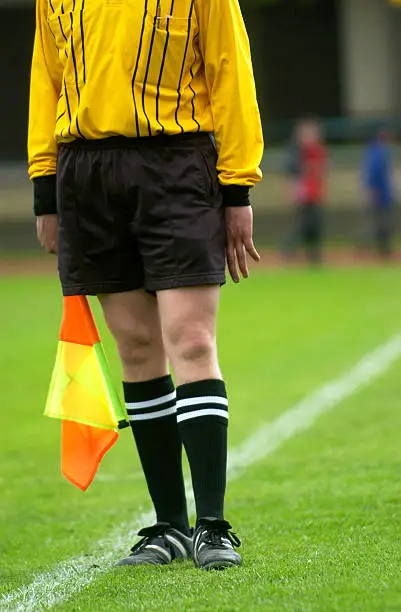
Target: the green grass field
pixel 319 516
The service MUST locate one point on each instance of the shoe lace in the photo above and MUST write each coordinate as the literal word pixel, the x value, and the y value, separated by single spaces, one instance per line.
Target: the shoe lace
pixel 215 537
pixel 148 534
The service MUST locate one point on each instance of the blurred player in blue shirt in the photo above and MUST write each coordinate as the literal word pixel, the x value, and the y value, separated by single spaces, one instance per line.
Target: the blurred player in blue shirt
pixel 378 181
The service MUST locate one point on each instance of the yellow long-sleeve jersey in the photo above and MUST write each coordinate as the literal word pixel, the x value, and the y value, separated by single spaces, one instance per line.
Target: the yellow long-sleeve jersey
pixel 139 68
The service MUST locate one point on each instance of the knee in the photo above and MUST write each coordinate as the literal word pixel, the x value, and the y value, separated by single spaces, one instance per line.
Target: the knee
pixel 191 343
pixel 138 346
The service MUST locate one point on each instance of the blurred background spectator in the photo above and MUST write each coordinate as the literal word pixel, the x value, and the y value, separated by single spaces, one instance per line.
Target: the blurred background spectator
pixel 380 190
pixel 306 169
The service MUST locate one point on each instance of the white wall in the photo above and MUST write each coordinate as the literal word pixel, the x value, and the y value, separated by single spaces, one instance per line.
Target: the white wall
pixel 370 45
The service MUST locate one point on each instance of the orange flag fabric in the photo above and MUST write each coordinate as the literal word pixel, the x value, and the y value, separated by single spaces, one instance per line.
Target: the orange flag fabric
pixel 82 395
pixel 82 449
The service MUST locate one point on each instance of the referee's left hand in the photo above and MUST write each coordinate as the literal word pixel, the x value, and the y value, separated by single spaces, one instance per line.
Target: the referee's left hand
pixel 47 231
pixel 239 229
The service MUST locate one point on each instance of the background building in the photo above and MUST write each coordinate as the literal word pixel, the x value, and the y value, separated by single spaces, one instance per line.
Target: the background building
pixel 336 58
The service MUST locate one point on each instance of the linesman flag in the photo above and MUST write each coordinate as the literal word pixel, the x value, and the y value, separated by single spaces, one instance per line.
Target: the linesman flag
pixel 82 395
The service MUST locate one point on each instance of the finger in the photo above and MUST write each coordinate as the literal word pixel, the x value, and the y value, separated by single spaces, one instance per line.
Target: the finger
pixel 252 252
pixel 48 245
pixel 241 258
pixel 232 263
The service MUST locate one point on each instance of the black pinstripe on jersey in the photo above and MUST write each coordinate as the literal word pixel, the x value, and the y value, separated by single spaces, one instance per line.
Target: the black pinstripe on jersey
pixel 162 67
pixel 68 106
pixel 74 59
pixel 182 67
pixel 150 58
pixel 152 40
pixel 198 127
pixel 83 39
pixel 137 66
pixel 64 36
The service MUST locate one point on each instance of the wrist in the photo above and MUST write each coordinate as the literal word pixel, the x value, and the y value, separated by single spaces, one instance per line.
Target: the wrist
pixel 235 195
pixel 45 195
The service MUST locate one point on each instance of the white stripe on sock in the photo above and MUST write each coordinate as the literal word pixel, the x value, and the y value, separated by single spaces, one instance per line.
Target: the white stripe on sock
pixel 210 399
pixel 151 403
pixel 158 414
pixel 199 413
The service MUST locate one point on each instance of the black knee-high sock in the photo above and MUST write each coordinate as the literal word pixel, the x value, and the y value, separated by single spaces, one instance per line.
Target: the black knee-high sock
pixel 202 415
pixel 151 407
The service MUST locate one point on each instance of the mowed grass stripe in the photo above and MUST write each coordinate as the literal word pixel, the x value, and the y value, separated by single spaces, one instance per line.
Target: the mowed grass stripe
pixel 70 577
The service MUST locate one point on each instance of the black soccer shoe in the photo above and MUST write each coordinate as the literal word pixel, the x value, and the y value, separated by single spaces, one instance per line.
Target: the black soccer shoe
pixel 160 545
pixel 214 545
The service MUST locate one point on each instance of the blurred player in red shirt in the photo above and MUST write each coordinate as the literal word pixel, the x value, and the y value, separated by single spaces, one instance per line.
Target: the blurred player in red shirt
pixel 307 170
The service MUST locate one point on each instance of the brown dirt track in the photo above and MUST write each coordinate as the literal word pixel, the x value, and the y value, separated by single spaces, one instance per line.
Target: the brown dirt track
pixel 335 257
pixel 32 266
pixel 341 257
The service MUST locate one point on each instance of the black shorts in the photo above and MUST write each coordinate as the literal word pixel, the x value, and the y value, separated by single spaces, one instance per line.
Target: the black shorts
pixel 139 213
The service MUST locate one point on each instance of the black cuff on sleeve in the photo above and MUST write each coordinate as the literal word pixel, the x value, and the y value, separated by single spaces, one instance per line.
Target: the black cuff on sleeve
pixel 44 195
pixel 235 195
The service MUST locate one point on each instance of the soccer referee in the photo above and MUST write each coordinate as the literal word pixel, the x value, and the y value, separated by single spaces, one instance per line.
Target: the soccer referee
pixel 144 140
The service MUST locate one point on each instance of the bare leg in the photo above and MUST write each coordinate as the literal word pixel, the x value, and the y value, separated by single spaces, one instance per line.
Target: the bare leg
pixel 188 318
pixel 133 319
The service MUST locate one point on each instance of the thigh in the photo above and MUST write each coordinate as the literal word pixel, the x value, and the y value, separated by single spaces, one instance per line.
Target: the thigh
pixel 97 250
pixel 182 227
pixel 188 310
pixel 132 316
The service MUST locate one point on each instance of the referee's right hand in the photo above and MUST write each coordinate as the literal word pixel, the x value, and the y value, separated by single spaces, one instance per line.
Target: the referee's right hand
pixel 47 231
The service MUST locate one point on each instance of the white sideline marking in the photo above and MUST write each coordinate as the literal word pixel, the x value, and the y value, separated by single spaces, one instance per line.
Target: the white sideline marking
pixel 303 414
pixel 71 576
